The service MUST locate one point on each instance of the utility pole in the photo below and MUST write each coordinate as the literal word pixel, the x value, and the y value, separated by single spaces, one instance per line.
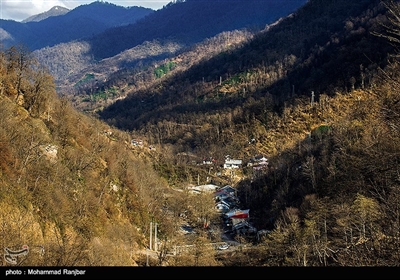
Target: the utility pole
pixel 155 237
pixel 312 98
pixel 151 233
pixel 151 236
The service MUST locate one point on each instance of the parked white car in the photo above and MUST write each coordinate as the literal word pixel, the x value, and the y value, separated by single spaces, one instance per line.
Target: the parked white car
pixel 223 246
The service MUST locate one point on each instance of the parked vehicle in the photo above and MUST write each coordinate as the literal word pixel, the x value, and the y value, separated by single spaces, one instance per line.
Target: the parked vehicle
pixel 223 246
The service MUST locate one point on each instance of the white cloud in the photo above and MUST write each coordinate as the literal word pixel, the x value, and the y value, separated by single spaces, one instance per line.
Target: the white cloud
pixel 19 10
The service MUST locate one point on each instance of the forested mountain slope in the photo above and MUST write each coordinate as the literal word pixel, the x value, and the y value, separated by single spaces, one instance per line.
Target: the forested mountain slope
pixel 156 36
pixel 71 188
pixel 292 58
pixel 192 21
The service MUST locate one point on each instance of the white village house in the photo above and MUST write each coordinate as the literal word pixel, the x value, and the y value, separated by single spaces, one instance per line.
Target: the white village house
pixel 232 163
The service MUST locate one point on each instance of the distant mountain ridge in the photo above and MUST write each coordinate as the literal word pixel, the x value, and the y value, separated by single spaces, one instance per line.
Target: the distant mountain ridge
pixel 55 11
pixel 83 21
pixel 192 21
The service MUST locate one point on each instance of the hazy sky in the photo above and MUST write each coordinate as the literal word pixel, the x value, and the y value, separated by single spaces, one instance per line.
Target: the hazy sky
pixel 19 10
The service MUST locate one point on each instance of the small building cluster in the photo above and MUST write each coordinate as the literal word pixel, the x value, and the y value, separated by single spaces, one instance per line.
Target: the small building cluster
pixel 209 161
pixel 235 219
pixel 258 162
pixel 225 199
